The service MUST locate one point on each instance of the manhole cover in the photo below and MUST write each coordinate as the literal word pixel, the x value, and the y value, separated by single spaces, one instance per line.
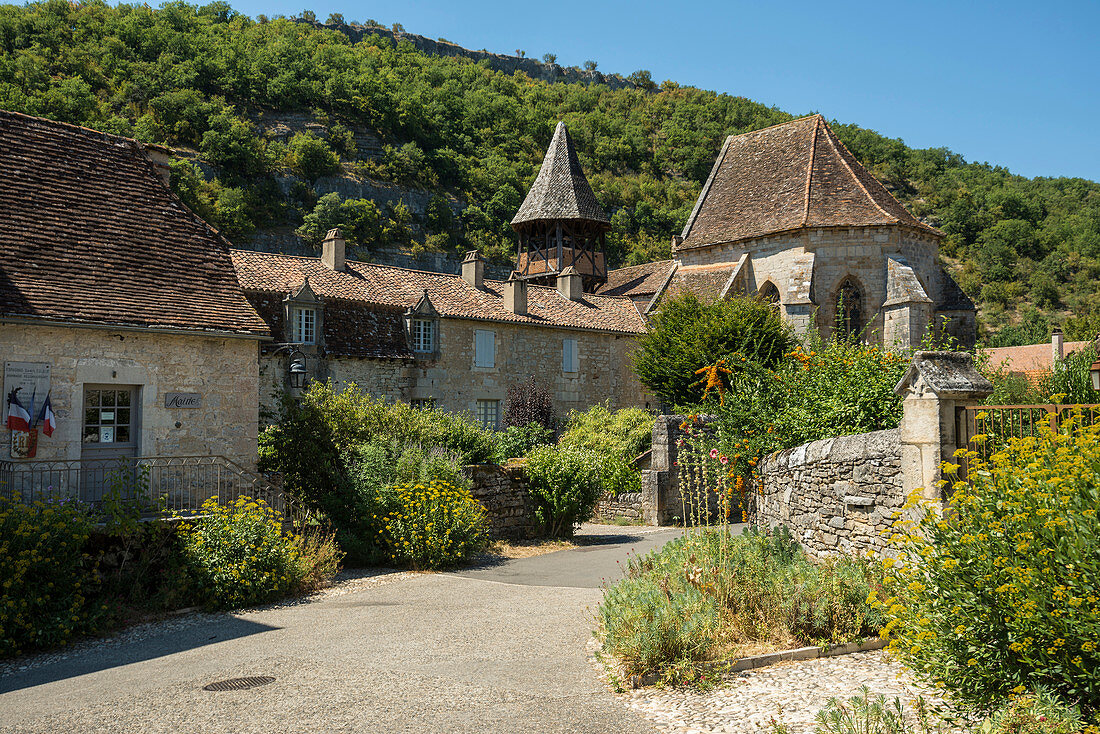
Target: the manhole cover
pixel 240 684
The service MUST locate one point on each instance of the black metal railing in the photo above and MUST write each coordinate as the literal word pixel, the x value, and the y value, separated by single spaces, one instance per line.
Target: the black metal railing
pixel 156 484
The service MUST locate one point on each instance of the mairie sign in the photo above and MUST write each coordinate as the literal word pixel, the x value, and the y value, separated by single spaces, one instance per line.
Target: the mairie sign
pixel 183 400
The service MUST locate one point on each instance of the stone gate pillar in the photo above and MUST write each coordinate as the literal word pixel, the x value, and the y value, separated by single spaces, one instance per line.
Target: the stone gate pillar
pixel 934 386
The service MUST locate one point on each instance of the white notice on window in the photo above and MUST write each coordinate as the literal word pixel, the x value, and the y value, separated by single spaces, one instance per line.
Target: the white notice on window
pixel 106 434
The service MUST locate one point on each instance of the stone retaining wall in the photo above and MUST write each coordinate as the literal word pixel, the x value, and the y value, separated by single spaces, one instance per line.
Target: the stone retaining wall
pixel 502 490
pixel 836 495
pixel 630 505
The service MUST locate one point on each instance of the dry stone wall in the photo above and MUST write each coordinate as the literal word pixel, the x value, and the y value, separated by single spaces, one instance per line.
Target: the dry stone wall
pixel 629 505
pixel 835 495
pixel 502 490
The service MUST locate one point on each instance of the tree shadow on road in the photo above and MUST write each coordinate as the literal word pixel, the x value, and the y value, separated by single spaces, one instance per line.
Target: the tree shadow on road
pixel 135 645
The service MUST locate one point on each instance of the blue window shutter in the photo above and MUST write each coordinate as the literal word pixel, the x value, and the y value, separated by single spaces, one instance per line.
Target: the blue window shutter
pixel 484 348
pixel 569 360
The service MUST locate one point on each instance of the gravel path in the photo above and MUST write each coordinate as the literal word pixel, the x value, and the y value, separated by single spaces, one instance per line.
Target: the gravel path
pixel 789 692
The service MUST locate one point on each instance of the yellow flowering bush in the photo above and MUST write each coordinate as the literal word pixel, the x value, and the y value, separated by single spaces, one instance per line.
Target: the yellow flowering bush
pixel 239 553
pixel 46 581
pixel 1002 593
pixel 433 525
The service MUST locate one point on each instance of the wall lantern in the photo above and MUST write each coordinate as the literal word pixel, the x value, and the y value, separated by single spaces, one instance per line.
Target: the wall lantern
pixel 1094 372
pixel 299 375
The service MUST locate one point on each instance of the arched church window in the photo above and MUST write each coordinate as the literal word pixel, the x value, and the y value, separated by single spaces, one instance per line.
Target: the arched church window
pixel 769 294
pixel 849 310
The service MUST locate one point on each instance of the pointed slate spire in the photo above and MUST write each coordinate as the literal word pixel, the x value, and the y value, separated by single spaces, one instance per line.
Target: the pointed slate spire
pixel 561 190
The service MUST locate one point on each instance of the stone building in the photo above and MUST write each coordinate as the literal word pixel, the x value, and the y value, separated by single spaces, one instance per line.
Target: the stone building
pixel 118 304
pixel 788 213
pixel 458 342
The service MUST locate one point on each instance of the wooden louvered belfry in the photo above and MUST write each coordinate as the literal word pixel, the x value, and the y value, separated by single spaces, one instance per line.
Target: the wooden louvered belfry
pixel 560 223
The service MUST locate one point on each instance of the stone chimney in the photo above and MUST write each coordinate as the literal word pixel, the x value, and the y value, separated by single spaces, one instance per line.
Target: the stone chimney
pixel 570 284
pixel 515 294
pixel 1057 350
pixel 473 269
pixel 677 240
pixel 162 160
pixel 332 250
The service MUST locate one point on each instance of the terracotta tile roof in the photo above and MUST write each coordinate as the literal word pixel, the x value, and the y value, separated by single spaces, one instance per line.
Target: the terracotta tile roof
pixel 636 280
pixel 1030 358
pixel 561 190
pixel 89 233
pixel 797 174
pixel 350 328
pixel 451 295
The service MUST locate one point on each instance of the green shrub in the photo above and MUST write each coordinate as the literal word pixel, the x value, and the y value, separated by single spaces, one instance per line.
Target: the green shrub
pixel 339 450
pixel 688 334
pixel 826 388
pixel 239 554
pixel 1036 713
pixel 1070 379
pixel 705 593
pixel 319 558
pixel 47 586
pixel 618 437
pixel 311 157
pixel 517 441
pixel 867 714
pixel 433 525
pixel 1003 593
pixel 354 417
pixel 565 484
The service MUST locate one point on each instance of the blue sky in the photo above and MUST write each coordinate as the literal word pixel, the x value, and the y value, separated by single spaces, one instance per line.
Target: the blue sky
pixel 1012 83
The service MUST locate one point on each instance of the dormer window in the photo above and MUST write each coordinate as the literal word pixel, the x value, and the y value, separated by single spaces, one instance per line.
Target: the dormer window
pixel 423 335
pixel 304 316
pixel 305 325
pixel 422 328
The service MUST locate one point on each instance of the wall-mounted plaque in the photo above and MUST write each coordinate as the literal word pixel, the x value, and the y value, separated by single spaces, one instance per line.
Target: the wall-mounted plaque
pixel 24 444
pixel 31 381
pixel 183 400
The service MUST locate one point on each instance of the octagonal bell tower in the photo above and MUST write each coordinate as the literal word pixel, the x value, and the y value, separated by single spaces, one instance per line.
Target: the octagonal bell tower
pixel 560 223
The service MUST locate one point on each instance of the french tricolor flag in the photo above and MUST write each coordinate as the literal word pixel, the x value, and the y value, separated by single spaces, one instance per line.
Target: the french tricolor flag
pixel 46 416
pixel 19 419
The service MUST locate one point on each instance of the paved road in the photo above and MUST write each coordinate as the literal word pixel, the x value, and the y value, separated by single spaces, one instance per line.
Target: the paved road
pixel 487 650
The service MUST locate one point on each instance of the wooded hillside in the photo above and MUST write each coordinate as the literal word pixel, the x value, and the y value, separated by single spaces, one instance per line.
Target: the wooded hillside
pixel 464 142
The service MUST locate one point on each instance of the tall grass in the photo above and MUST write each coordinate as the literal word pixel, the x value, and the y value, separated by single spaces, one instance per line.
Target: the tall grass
pixel 710 593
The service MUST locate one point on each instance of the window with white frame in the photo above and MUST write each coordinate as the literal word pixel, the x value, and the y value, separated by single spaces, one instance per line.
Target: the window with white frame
pixel 488 413
pixel 423 403
pixel 423 335
pixel 485 348
pixel 570 358
pixel 305 325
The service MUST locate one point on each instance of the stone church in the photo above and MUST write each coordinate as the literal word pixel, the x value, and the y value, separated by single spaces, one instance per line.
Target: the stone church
pixel 789 214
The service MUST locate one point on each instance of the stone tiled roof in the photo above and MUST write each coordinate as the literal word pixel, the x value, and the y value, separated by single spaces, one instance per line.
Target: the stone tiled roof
pixel 636 280
pixel 561 190
pixel 452 296
pixel 797 174
pixel 89 233
pixel 707 282
pixel 902 284
pixel 350 328
pixel 952 297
